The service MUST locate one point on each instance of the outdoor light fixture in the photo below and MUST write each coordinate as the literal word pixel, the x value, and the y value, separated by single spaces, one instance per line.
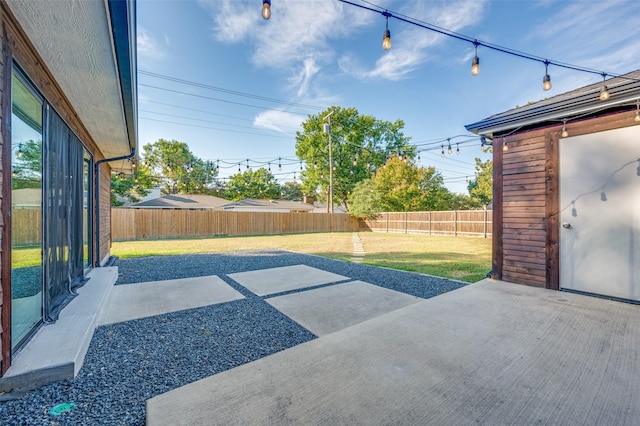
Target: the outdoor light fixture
pixel 266 9
pixel 564 133
pixel 546 80
pixel 475 65
pixel 442 153
pixel 386 39
pixel 449 150
pixel 457 149
pixel 505 147
pixel 604 91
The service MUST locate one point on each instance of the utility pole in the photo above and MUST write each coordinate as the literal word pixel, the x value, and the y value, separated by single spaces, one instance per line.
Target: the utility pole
pixel 327 130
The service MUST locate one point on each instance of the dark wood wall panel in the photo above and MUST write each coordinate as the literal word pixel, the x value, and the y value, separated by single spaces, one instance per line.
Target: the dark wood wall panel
pixel 524 201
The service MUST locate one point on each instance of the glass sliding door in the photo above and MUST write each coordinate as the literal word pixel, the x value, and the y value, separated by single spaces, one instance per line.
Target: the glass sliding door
pixel 26 209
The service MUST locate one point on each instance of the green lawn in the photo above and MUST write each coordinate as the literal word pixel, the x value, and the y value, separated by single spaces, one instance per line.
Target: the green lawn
pixel 461 258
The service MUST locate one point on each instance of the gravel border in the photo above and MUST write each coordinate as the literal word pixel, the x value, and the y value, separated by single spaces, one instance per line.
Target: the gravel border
pixel 129 362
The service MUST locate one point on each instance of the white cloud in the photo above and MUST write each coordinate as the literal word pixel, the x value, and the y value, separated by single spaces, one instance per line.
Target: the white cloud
pixel 600 35
pixel 303 78
pixel 297 40
pixel 278 120
pixel 148 47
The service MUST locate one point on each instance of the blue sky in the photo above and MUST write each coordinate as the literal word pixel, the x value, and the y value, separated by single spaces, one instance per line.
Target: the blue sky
pixel 313 54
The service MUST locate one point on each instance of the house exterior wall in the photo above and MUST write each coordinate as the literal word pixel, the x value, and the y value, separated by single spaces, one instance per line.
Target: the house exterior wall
pixel 526 200
pixel 16 46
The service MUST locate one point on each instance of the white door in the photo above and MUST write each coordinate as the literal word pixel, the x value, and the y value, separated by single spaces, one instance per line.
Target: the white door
pixel 600 213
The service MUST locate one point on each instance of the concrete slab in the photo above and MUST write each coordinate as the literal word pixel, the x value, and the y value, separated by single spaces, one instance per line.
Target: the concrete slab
pixel 328 309
pixel 286 278
pixel 57 350
pixel 488 353
pixel 141 300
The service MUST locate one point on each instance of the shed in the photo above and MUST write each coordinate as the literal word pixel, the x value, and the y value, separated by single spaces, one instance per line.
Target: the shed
pixel 566 190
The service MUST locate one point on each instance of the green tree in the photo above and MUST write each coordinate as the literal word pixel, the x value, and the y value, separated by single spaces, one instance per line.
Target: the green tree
pixel 361 144
pixel 132 187
pixel 462 202
pixel 291 190
pixel 27 166
pixel 258 183
pixel 179 170
pixel 481 188
pixel 364 201
pixel 402 186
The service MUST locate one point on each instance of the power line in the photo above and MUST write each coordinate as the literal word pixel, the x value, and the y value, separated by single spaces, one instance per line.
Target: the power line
pixel 214 128
pixel 228 91
pixel 214 99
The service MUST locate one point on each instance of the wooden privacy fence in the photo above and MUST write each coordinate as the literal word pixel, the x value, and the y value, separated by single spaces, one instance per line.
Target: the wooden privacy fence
pixel 148 224
pixel 455 222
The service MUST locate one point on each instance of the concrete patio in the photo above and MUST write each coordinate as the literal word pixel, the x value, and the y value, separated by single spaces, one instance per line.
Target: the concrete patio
pixel 489 353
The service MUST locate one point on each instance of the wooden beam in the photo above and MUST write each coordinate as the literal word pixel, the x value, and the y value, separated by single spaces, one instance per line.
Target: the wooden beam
pixel 497 250
pixel 552 213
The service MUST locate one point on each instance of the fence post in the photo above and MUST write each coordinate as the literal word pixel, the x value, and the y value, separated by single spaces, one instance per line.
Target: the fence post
pixel 429 222
pixel 406 222
pixel 387 222
pixel 455 223
pixel 485 223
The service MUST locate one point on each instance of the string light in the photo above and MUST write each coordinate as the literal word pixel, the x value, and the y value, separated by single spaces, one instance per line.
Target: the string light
pixel 266 9
pixel 386 38
pixel 442 154
pixel 505 147
pixel 475 65
pixel 501 49
pixel 449 150
pixel 457 149
pixel 564 133
pixel 546 80
pixel 279 164
pixel 637 119
pixel 604 91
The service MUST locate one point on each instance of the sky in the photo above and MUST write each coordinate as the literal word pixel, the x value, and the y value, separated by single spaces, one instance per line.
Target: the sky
pixel 235 87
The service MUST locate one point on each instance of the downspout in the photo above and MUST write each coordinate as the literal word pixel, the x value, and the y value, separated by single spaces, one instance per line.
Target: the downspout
pixel 97 207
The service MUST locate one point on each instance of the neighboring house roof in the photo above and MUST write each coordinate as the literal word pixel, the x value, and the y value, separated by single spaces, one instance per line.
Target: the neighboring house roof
pixel 322 208
pixel 251 204
pixel 624 91
pixel 92 56
pixel 183 201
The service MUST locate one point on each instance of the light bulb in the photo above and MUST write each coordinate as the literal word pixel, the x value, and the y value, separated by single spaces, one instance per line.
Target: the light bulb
pixel 546 83
pixel 386 40
pixel 505 147
pixel 565 133
pixel 449 150
pixel 442 153
pixel 637 119
pixel 604 93
pixel 475 66
pixel 266 9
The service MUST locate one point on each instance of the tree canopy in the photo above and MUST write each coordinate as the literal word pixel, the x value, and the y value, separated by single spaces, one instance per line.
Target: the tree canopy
pixel 259 183
pixel 360 145
pixel 400 186
pixel 481 188
pixel 132 187
pixel 177 168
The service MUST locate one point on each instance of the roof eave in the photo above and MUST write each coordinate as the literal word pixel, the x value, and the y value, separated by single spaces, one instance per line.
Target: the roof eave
pixel 579 105
pixel 122 15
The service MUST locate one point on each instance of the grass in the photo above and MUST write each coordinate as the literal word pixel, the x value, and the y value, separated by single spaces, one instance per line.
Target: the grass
pixel 460 258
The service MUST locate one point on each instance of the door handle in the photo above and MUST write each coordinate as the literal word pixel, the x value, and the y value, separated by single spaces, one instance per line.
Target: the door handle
pixel 566 225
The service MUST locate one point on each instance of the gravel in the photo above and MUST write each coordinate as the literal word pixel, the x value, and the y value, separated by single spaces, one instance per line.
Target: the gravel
pixel 129 362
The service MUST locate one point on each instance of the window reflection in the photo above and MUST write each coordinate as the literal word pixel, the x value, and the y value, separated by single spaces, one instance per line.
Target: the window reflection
pixel 26 210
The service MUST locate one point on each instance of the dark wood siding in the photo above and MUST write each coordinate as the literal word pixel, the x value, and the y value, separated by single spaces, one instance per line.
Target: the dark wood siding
pixel 523 209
